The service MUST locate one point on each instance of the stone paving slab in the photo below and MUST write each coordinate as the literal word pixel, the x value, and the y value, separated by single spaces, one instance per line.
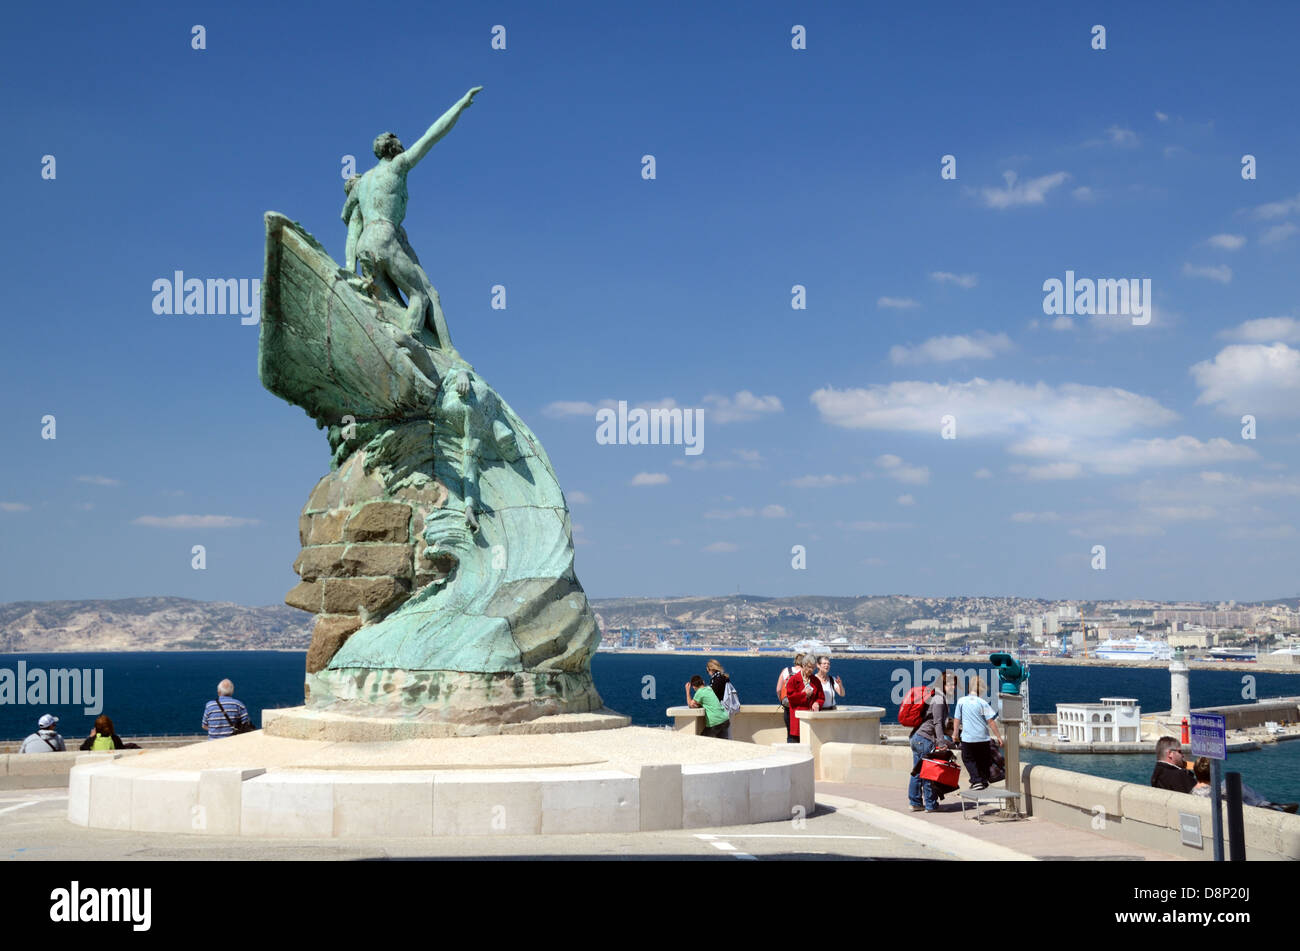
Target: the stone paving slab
pixel 1031 836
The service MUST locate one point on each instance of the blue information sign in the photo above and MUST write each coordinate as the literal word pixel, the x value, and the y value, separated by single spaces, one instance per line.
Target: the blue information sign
pixel 1209 734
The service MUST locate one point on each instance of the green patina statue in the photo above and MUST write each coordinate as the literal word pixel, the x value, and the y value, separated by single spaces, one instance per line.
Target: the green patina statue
pixel 438 552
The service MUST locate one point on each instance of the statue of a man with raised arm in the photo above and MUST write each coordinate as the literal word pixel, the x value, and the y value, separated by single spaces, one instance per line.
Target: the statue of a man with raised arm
pixel 381 201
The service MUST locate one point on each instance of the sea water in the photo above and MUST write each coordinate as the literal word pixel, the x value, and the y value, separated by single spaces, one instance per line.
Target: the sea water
pixel 152 693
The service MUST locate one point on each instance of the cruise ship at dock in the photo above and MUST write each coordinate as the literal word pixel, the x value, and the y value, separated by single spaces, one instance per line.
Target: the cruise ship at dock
pixel 1137 648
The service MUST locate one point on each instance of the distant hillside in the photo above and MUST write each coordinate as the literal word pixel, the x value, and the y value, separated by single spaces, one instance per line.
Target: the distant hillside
pixel 149 624
pixel 776 615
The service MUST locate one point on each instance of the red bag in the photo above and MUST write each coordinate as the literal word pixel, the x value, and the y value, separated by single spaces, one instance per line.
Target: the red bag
pixel 945 773
pixel 913 711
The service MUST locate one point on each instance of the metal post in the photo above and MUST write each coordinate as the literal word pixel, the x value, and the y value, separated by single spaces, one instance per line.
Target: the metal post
pixel 1216 810
pixel 1236 824
pixel 1012 714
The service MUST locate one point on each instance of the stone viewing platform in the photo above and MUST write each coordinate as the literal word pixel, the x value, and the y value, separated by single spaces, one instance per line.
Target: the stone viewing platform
pixel 630 779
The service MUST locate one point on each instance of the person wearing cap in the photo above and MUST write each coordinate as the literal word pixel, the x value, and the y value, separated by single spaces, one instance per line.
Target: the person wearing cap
pixel 46 739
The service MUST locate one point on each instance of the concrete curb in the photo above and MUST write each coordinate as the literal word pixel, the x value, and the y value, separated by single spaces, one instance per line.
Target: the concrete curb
pixel 960 844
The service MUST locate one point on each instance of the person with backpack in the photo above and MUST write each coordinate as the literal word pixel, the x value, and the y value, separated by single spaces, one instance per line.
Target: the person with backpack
pixel 46 739
pixel 716 721
pixel 804 692
pixel 780 688
pixel 925 710
pixel 720 683
pixel 225 716
pixel 104 738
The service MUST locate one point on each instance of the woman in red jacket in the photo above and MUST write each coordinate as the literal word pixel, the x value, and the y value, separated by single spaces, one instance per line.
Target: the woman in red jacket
pixel 804 691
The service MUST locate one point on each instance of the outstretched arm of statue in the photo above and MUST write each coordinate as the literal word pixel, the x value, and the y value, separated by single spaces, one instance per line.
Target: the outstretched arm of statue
pixel 420 149
pixel 350 249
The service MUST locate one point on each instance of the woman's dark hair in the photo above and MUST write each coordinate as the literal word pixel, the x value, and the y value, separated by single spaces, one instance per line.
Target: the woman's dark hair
pixel 697 681
pixel 103 725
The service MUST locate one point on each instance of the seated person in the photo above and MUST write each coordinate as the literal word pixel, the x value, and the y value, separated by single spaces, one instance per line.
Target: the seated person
pixel 104 737
pixel 46 739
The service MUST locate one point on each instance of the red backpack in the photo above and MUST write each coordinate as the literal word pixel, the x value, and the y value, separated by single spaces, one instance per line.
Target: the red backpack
pixel 912 712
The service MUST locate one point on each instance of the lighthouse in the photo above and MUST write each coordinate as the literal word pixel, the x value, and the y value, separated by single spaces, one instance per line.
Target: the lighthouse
pixel 1179 692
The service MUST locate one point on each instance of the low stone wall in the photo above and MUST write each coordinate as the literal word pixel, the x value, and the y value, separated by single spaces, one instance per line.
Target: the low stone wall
pixel 1124 811
pixel 48 770
pixel 257 802
pixel 754 723
pixel 765 724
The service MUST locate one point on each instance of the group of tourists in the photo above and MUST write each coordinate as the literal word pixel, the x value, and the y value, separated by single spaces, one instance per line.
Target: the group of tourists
pixel 808 685
pixel 942 723
pixel 46 739
pixel 224 716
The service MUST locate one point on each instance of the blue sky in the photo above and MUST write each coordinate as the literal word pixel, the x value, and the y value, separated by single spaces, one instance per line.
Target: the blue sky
pixel 773 167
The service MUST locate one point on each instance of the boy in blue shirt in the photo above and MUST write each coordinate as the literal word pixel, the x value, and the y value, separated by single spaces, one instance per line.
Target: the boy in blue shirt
pixel 974 724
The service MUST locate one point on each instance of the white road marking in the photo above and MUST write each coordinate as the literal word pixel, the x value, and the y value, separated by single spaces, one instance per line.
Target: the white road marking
pixel 791 835
pixel 21 805
pixel 724 846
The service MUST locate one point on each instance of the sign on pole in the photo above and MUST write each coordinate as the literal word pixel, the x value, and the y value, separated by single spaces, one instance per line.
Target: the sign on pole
pixel 1209 735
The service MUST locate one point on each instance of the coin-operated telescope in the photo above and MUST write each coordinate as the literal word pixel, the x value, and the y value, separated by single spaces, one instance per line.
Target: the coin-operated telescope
pixel 1010 674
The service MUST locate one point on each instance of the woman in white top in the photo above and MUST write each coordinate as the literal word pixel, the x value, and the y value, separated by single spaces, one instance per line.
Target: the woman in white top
pixel 832 686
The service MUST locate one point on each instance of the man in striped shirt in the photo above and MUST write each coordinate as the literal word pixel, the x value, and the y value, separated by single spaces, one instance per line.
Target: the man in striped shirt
pixel 219 724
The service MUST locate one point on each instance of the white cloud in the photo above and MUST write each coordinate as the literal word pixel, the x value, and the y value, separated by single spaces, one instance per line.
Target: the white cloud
pixel 1032 192
pixel 1053 470
pixel 774 511
pixel 1123 458
pixel 906 500
pixel 897 303
pixel 1277 209
pixel 1251 378
pixel 1221 273
pixel 1162 117
pixel 730 513
pixel 98 480
pixel 895 468
pixel 14 507
pixel 983 474
pixel 1182 513
pixel 873 526
pixel 966 281
pixel 722 547
pixel 1124 138
pixel 820 482
pixel 1128 529
pixel 1084 193
pixel 977 346
pixel 742 407
pixel 581 498
pixel 1279 233
pixel 650 478
pixel 1159 453
pixel 991 408
pixel 1035 517
pixel 1266 330
pixel 193 521
pixel 1061 322
pixel 1226 242
pixel 1260 533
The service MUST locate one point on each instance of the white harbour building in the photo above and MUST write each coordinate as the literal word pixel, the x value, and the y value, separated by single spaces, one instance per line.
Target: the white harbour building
pixel 1113 720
